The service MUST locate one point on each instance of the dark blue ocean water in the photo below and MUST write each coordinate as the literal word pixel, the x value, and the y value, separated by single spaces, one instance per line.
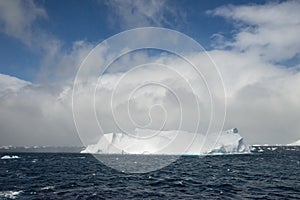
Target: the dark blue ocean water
pixel 81 176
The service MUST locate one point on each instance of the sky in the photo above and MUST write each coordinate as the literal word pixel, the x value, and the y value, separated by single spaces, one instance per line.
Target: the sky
pixel 255 46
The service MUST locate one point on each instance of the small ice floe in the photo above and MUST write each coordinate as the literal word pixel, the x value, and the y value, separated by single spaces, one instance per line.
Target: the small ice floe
pixel 47 188
pixel 9 157
pixel 9 194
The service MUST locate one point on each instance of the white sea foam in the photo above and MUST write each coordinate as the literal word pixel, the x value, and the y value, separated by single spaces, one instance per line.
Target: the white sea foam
pixel 10 194
pixel 47 188
pixel 9 157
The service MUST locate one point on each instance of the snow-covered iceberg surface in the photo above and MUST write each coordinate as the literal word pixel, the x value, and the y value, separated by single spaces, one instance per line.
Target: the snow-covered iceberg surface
pixel 296 143
pixel 146 141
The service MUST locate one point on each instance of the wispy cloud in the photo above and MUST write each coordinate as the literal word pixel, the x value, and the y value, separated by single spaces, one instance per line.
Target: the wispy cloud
pixel 131 14
pixel 17 19
pixel 271 30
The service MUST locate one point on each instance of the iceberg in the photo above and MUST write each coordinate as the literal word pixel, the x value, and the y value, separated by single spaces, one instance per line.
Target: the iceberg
pixel 9 157
pixel 10 194
pixel 175 142
pixel 296 143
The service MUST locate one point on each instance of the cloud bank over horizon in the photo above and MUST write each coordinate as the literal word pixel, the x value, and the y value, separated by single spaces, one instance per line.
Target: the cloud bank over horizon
pixel 259 65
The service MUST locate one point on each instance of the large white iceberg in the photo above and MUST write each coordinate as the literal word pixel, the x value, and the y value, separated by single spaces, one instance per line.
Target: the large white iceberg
pixel 296 143
pixel 153 142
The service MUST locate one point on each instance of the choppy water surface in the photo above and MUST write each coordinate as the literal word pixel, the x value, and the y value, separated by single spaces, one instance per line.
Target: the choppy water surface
pixel 81 176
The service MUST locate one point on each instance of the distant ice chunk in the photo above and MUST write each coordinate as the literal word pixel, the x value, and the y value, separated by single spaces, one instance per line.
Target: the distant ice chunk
pixel 9 157
pixel 9 194
pixel 146 141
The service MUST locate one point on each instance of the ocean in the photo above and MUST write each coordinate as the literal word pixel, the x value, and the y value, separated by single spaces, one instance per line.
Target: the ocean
pixel 81 176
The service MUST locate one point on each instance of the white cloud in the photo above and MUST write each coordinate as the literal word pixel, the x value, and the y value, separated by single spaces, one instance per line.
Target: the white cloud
pixel 17 19
pixel 131 14
pixel 49 106
pixel 263 97
pixel 271 30
pixel 262 101
pixel 33 115
pixel 59 65
pixel 10 84
pixel 262 94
